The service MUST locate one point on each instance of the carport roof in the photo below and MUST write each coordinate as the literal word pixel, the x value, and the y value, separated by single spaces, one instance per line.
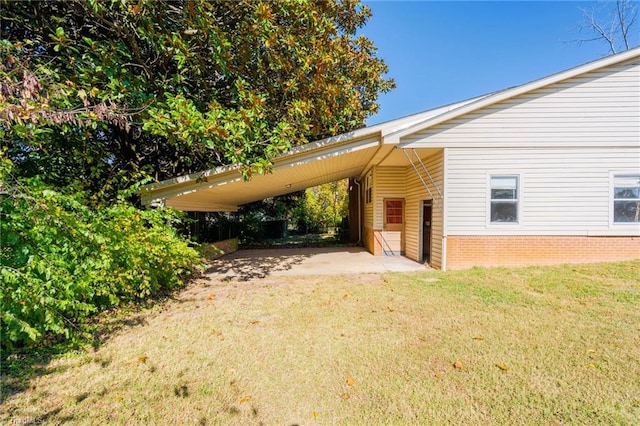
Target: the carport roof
pixel 343 156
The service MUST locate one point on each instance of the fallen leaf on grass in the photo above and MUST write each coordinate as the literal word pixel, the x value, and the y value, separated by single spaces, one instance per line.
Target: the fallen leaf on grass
pixel 255 322
pixel 345 396
pixel 390 309
pixel 142 358
pixel 211 296
pixel 478 337
pixel 502 367
pixel 457 364
pixel 344 296
pixel 438 375
pixel 244 399
pixel 350 381
pixel 315 414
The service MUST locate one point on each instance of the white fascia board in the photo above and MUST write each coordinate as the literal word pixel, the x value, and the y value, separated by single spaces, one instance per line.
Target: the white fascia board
pixel 389 135
pixel 360 144
pixel 167 193
pixel 199 207
pixel 310 148
pixel 503 95
pixel 202 181
pixel 183 181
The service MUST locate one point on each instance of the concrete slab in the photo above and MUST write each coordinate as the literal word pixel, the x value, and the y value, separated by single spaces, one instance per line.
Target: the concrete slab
pixel 248 264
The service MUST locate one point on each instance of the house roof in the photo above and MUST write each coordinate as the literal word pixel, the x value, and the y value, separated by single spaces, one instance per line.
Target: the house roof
pixel 512 92
pixel 338 157
pixel 347 155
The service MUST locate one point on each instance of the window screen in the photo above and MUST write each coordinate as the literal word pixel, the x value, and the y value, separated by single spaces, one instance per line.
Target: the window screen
pixel 626 198
pixel 504 199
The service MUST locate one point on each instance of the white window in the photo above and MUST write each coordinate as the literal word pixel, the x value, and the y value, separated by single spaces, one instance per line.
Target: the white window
pixel 626 198
pixel 504 198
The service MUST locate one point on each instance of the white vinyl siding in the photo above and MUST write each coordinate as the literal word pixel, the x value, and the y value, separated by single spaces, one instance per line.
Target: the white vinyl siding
pixel 565 191
pixel 388 183
pixel 416 193
pixel 600 108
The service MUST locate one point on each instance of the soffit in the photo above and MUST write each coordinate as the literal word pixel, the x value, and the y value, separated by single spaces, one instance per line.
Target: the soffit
pixel 226 191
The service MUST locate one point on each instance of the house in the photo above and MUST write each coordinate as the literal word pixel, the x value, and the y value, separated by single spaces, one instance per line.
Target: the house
pixel 542 173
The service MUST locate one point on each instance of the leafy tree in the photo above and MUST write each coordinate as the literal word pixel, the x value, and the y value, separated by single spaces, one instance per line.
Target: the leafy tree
pixel 169 87
pixel 324 206
pixel 61 261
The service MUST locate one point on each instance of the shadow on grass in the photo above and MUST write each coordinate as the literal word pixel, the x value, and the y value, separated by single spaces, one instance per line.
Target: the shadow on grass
pixel 18 369
pixel 21 366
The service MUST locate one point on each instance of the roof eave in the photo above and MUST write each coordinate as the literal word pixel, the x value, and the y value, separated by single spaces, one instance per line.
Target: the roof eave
pixel 331 142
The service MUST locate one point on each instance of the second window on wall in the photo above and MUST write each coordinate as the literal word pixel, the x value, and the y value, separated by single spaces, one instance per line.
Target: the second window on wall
pixel 626 198
pixel 504 198
pixel 368 189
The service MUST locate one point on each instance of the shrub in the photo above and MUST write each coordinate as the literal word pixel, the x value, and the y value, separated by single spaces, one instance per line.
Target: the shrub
pixel 62 261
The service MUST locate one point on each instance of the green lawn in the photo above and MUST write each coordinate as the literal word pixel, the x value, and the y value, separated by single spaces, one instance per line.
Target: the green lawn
pixel 552 345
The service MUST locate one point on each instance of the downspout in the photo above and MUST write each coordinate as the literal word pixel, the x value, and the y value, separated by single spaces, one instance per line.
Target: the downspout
pixel 445 226
pixel 359 212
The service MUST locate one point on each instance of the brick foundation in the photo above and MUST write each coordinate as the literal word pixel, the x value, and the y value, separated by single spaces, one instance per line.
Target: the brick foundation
pixel 468 251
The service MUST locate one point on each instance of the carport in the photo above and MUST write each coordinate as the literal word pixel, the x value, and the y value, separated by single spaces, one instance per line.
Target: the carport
pixel 379 170
pixel 349 155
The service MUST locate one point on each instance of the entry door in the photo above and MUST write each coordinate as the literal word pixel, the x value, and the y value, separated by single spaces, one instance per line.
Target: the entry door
pixel 393 231
pixel 426 231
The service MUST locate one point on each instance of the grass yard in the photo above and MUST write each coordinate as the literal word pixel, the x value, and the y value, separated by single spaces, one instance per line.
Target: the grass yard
pixel 552 345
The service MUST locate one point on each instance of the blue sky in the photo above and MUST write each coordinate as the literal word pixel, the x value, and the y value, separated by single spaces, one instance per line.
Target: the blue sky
pixel 447 51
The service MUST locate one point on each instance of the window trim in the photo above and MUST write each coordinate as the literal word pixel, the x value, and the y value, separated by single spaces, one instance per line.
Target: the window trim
pixel 519 200
pixel 368 188
pixel 384 212
pixel 612 176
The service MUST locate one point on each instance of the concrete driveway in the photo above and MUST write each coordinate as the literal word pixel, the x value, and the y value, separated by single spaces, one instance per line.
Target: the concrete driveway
pixel 248 264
